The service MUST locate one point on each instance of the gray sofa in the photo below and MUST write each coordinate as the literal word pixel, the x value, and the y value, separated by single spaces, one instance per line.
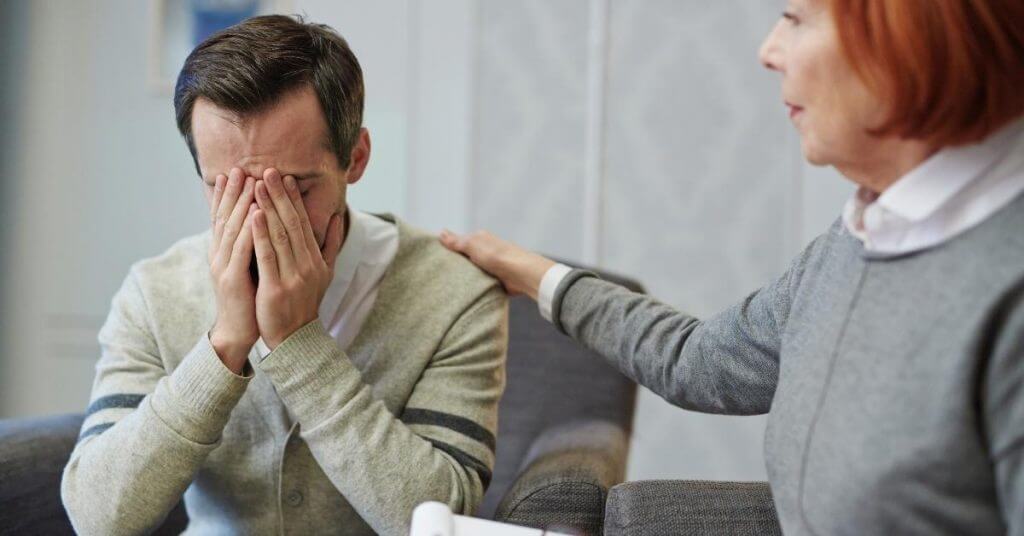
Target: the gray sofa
pixel 681 507
pixel 564 426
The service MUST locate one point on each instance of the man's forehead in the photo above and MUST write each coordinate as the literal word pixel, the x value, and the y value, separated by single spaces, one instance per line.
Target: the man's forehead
pixel 291 134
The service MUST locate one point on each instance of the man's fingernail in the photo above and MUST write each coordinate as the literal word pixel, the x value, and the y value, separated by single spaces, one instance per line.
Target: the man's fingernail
pixel 289 183
pixel 234 180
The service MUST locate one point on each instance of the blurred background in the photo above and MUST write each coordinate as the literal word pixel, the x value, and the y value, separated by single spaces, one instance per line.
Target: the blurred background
pixel 639 136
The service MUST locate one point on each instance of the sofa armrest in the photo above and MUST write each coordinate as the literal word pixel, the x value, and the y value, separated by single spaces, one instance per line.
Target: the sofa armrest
pixel 564 480
pixel 33 453
pixel 663 507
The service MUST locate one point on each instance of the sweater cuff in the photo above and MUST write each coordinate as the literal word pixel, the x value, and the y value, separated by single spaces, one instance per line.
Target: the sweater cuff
pixel 312 375
pixel 197 398
pixel 563 287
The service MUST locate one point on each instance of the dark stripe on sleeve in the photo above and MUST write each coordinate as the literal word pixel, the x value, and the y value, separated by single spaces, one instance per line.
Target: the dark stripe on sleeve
pixel 114 401
pixel 98 429
pixel 466 460
pixel 461 425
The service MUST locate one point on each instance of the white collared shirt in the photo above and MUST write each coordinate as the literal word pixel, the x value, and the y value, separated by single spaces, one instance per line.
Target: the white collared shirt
pixel 370 245
pixel 952 191
pixel 947 194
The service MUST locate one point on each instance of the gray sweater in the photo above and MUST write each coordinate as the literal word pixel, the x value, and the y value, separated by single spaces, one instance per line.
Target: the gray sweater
pixel 894 386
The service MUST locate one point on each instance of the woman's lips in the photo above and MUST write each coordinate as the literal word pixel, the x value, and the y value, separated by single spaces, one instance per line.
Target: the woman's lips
pixel 794 110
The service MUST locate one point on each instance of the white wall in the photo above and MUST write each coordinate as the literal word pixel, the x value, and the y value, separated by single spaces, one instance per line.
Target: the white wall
pixel 478 114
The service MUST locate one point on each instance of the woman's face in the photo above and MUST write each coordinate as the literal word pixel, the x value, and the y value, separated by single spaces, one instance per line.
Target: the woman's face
pixel 828 103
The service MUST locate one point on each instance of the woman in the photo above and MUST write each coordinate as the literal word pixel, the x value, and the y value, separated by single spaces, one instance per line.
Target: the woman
pixel 890 356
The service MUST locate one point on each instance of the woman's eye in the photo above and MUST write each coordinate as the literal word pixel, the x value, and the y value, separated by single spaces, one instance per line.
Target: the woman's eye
pixel 790 17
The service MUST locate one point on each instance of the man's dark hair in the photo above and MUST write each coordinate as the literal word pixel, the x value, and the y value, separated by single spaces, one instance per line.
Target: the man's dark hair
pixel 248 67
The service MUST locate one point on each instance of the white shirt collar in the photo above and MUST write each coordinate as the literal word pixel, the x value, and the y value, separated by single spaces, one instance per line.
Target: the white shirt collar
pixel 950 192
pixel 349 257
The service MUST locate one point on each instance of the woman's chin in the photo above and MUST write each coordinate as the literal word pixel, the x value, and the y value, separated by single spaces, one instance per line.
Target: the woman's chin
pixel 813 153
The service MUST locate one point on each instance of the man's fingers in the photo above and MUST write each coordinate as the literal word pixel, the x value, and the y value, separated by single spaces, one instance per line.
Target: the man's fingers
pixel 279 238
pixel 236 180
pixel 218 192
pixel 292 188
pixel 233 226
pixel 241 253
pixel 289 217
pixel 266 259
pixel 332 243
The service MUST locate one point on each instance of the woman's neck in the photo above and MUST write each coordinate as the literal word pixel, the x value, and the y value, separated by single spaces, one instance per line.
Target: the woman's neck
pixel 885 163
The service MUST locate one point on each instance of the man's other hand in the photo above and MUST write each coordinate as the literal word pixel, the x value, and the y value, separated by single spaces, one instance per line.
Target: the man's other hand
pixel 231 213
pixel 294 271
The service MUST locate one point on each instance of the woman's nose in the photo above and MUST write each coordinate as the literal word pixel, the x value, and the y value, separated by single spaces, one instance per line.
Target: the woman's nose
pixel 769 51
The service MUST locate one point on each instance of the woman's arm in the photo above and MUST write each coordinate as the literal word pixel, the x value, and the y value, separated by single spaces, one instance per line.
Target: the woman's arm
pixel 725 364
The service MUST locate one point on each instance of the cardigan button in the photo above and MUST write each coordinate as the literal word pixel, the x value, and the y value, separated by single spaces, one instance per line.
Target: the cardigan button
pixel 294 497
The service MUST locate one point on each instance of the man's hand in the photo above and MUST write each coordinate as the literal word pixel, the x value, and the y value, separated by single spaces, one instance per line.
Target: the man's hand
pixel 231 249
pixel 294 271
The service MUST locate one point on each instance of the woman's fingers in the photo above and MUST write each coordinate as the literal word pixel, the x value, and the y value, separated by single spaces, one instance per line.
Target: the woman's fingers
pixel 453 241
pixel 520 271
pixel 481 247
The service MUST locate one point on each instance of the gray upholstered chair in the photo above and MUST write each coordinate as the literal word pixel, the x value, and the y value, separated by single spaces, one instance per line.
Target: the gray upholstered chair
pixel 685 507
pixel 564 428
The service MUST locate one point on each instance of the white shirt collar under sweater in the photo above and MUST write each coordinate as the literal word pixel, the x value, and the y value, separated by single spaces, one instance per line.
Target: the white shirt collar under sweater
pixel 369 248
pixel 954 190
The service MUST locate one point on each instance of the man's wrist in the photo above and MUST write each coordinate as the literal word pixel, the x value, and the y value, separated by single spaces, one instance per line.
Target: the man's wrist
pixel 273 341
pixel 234 354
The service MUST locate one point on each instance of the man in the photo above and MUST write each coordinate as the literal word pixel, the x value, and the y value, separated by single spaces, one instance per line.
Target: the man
pixel 301 367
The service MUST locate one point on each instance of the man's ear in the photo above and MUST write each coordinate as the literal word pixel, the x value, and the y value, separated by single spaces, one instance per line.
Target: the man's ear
pixel 359 157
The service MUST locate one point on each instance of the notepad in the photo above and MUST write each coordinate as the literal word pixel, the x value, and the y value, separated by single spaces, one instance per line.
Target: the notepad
pixel 436 519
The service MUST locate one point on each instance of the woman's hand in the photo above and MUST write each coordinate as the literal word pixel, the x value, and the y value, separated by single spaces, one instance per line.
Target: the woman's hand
pixel 519 270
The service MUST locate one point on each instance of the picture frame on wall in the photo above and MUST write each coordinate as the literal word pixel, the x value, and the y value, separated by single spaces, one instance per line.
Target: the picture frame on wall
pixel 177 26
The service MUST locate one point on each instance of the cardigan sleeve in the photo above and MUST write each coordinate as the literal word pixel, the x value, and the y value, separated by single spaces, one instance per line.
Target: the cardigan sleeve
pixel 146 431
pixel 726 364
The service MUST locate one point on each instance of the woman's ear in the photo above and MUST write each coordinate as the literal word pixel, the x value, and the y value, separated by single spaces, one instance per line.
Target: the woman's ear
pixel 359 157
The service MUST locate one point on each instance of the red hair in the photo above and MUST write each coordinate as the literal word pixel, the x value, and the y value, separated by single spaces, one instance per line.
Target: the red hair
pixel 950 71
